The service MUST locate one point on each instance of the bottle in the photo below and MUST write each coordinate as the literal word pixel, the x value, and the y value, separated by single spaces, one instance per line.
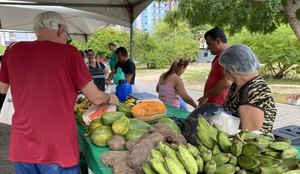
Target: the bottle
pixel 123 90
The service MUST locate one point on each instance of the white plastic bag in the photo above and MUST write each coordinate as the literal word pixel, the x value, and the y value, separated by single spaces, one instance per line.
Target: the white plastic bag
pixel 88 117
pixel 7 109
pixel 225 122
pixel 111 88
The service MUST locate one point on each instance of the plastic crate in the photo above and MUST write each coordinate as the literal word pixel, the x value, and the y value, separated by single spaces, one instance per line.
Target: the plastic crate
pixel 291 132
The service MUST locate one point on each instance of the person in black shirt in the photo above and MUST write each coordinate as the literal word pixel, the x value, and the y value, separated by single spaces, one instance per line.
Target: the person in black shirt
pixel 127 65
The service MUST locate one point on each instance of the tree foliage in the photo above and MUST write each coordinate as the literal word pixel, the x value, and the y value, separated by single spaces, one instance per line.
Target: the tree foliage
pixel 279 51
pixel 161 48
pixel 262 16
pixel 99 40
pixel 2 49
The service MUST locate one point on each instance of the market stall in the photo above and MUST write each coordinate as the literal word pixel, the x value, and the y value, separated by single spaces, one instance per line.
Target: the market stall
pixel 215 150
pixel 92 152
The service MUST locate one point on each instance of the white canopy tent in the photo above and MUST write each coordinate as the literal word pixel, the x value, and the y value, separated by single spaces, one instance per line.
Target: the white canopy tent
pixel 83 17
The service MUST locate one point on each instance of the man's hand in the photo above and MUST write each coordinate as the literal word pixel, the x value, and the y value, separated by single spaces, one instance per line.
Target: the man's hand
pixel 202 100
pixel 108 82
pixel 113 99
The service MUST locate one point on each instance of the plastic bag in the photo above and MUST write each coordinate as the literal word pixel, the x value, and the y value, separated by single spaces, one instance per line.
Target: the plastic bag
pixel 225 122
pixel 7 110
pixel 111 89
pixel 94 112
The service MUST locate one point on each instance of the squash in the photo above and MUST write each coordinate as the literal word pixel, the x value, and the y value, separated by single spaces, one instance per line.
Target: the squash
pixel 149 111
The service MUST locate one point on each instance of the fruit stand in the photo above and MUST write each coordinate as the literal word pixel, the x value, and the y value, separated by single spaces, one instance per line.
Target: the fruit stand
pixel 163 148
pixel 92 152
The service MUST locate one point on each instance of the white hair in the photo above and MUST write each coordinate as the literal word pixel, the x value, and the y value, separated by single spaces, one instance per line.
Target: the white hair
pixel 50 20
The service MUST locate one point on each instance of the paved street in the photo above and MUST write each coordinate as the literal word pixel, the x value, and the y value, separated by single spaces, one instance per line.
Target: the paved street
pixel 286 115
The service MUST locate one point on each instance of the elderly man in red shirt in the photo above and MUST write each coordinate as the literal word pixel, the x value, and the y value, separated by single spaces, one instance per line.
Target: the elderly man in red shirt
pixel 217 85
pixel 45 76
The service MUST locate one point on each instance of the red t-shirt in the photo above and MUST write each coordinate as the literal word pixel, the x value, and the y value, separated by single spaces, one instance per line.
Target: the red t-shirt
pixel 44 78
pixel 215 75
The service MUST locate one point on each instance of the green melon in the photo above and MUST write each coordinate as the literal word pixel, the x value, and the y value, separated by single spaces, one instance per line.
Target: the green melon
pixel 101 135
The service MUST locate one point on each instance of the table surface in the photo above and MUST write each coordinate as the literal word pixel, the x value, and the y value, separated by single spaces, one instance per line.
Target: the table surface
pixel 92 152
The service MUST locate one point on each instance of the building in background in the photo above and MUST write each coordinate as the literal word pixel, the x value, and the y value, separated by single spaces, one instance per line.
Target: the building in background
pixel 7 37
pixel 154 12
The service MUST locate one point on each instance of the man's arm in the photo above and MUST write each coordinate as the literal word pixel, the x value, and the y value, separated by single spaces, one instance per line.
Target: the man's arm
pixel 128 77
pixel 3 88
pixel 97 97
pixel 110 76
pixel 3 91
pixel 222 85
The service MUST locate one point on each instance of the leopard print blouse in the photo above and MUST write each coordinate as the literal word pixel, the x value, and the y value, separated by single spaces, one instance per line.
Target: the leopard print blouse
pixel 255 93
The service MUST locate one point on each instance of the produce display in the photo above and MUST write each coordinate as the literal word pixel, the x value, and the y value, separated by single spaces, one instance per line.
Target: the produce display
pixel 140 147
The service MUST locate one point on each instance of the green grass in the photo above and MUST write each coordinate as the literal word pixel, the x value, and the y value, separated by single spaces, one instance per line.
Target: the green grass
pixel 283 81
pixel 195 75
pixel 143 71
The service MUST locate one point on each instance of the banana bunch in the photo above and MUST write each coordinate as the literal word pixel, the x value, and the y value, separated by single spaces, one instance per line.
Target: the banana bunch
pixel 179 159
pixel 80 107
pixel 245 152
pixel 82 104
pixel 130 102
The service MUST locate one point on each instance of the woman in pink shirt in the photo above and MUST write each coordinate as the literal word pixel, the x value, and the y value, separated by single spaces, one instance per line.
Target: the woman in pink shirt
pixel 170 86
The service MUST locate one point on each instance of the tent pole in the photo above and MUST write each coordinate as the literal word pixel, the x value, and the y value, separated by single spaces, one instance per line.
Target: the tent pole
pixel 130 11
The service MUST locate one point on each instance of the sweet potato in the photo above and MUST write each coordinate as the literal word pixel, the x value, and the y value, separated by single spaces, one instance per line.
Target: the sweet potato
pixel 153 138
pixel 139 154
pixel 116 143
pixel 111 158
pixel 163 129
pixel 123 168
pixel 176 139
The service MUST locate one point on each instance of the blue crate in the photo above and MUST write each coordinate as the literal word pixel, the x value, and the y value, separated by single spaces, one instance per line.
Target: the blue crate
pixel 291 132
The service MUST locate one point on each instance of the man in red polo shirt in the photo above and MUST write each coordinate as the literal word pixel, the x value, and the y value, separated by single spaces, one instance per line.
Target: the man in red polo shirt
pixel 45 76
pixel 217 85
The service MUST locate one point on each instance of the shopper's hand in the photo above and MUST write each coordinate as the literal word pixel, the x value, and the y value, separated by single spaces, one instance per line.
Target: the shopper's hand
pixel 113 99
pixel 202 100
pixel 108 82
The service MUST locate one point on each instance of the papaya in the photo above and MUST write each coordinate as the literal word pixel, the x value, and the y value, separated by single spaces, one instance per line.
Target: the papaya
pixel 171 123
pixel 134 134
pixel 95 124
pixel 121 126
pixel 101 135
pixel 138 124
pixel 122 107
pixel 109 117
